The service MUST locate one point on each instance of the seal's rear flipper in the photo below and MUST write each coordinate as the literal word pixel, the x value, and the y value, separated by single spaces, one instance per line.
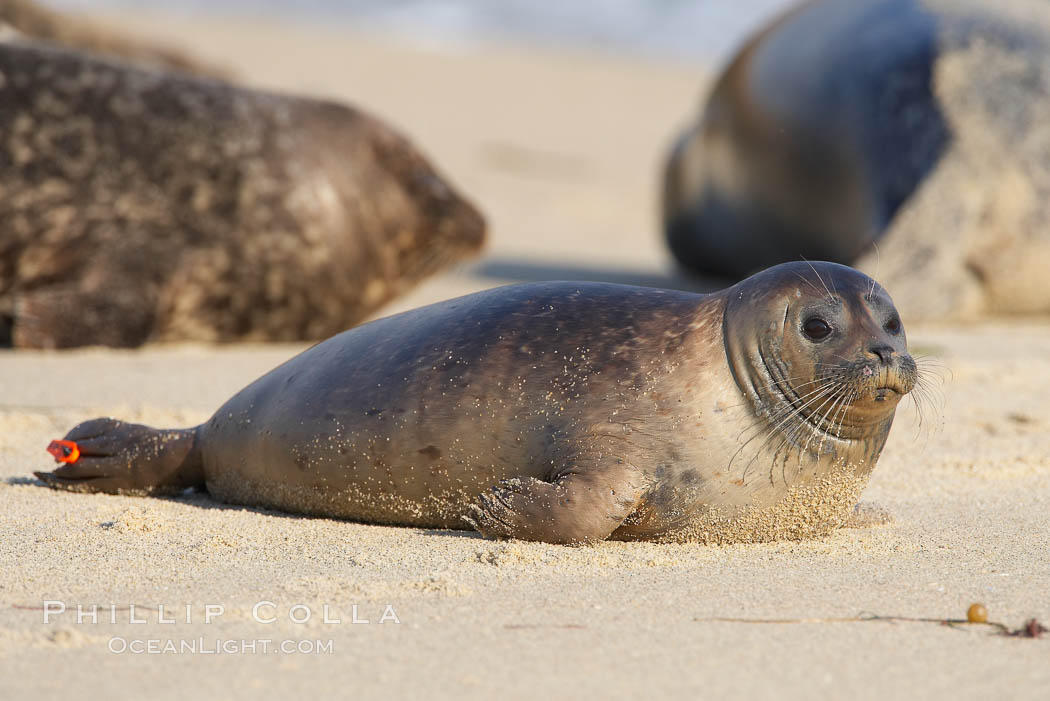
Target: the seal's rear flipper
pixel 121 458
pixel 576 508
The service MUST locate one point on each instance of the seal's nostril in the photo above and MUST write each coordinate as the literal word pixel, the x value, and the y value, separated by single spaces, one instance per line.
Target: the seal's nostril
pixel 884 352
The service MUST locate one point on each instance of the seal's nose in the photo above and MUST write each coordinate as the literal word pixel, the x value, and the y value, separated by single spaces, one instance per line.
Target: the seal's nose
pixel 884 352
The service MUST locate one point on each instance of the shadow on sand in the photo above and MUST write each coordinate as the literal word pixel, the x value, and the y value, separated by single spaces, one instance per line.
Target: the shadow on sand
pixel 200 499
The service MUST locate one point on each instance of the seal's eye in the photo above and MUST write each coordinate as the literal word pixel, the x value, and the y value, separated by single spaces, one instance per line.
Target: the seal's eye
pixel 893 325
pixel 816 328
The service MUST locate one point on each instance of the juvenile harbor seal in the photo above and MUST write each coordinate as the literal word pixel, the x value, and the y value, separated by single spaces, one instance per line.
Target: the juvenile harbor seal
pixel 561 412
pixel 903 136
pixel 144 206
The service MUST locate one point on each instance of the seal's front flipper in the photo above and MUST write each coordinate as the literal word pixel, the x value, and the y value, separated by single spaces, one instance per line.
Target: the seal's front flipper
pixel 576 508
pixel 121 458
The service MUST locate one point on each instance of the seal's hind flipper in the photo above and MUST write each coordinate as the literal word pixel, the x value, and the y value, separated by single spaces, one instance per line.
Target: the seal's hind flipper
pixel 576 508
pixel 121 458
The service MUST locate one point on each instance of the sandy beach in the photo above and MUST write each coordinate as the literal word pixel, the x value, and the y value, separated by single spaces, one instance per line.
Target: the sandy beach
pixel 562 151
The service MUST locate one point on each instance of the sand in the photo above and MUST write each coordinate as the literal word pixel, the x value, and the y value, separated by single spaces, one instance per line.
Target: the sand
pixel 562 151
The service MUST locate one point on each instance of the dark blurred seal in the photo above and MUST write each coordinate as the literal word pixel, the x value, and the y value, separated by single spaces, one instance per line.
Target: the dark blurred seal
pixel 902 133
pixel 148 206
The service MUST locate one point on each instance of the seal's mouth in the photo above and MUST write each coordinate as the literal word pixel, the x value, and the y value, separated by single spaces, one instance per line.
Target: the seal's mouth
pixel 883 394
pixel 842 401
pixel 889 387
pixel 885 384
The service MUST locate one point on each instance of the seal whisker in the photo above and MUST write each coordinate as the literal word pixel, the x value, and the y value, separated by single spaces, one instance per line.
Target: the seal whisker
pixel 792 438
pixel 786 412
pixel 928 390
pixel 809 282
pixel 933 368
pixel 917 402
pixel 847 407
pixel 832 420
pixel 773 463
pixel 823 422
pixel 929 380
pixel 783 465
pixel 776 383
pixel 780 412
pixel 829 425
pixel 814 269
pixel 770 385
pixel 792 412
pixel 803 447
pixel 878 263
pixel 924 400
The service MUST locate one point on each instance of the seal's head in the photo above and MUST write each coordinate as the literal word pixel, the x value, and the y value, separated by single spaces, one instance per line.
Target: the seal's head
pixel 819 347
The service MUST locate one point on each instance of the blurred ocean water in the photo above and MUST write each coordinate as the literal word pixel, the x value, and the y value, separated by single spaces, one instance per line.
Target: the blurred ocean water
pixel 683 29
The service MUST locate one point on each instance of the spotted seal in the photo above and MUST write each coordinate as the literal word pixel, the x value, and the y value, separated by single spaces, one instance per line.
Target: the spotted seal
pixel 144 206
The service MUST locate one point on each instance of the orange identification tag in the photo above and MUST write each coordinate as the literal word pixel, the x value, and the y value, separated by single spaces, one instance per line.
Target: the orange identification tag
pixel 64 451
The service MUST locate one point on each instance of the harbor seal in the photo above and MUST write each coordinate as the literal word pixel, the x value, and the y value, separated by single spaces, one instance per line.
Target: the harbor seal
pixel 560 412
pixel 144 206
pixel 903 136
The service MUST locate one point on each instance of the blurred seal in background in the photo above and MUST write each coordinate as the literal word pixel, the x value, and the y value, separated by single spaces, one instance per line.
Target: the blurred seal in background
pixel 148 206
pixel 904 136
pixel 31 20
